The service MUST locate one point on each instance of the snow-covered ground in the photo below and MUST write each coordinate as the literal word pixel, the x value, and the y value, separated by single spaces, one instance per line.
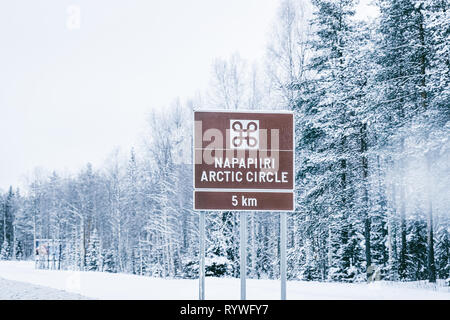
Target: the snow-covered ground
pixel 15 290
pixel 123 286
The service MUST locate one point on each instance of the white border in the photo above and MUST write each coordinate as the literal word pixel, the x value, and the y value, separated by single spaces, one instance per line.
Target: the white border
pixel 244 190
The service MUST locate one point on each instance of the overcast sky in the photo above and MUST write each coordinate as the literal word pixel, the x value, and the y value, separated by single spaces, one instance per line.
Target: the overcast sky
pixel 70 93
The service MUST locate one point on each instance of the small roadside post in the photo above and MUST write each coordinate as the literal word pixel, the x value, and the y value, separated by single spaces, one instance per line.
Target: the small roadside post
pixel 243 253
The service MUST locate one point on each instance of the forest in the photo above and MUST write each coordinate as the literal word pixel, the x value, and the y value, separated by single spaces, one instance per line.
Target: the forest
pixel 371 99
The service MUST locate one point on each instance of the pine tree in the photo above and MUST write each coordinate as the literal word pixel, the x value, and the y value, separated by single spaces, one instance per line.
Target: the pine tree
pixel 9 210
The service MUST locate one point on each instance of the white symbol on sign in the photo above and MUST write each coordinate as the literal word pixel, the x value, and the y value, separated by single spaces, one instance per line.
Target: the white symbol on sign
pixel 244 134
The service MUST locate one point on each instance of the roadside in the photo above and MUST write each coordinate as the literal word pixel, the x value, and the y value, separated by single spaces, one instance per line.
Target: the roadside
pixel 15 290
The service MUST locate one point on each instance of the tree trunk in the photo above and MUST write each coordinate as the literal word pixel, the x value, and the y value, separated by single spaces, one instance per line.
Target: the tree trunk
pixel 14 243
pixel 392 237
pixel 253 245
pixel 423 94
pixel 403 248
pixel 430 239
pixel 402 258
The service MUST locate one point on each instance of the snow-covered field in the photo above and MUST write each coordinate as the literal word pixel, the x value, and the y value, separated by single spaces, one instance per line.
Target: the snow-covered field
pixel 100 285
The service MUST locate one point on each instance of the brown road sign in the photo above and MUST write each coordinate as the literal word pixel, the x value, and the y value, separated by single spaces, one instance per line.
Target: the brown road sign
pixel 243 150
pixel 239 201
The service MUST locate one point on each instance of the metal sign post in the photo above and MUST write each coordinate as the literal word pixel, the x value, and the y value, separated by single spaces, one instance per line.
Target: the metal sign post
pixel 243 161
